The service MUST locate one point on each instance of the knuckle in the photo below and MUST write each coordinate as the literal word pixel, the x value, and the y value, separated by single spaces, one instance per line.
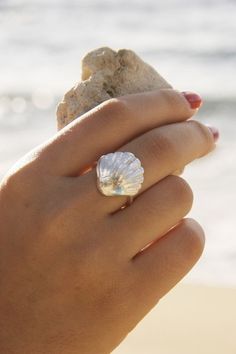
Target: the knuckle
pixel 176 102
pixel 118 108
pixel 179 171
pixel 159 144
pixel 13 182
pixel 194 238
pixel 182 192
pixel 23 175
pixel 204 132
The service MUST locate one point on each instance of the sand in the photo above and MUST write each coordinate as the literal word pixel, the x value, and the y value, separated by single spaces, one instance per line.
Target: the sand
pixel 189 320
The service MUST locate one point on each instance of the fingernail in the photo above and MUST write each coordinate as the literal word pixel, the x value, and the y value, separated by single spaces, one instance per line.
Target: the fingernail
pixel 215 132
pixel 193 99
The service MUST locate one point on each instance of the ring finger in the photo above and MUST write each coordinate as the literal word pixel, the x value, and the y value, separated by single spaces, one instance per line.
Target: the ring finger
pixel 151 216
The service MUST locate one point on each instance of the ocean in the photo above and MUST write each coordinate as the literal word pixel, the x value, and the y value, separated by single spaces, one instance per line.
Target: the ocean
pixel 192 44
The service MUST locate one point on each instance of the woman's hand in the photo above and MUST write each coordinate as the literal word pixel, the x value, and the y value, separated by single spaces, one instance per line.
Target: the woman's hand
pixel 72 277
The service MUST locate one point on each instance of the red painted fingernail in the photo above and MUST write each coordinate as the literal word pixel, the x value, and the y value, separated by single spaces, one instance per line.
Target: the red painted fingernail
pixel 215 132
pixel 193 99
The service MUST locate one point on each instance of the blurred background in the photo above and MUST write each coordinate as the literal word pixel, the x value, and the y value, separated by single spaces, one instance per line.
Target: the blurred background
pixel 191 43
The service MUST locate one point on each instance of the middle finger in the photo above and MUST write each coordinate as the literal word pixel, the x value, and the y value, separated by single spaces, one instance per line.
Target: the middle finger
pixel 161 151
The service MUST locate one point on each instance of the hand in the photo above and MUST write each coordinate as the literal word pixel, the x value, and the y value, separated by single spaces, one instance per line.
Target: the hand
pixel 73 278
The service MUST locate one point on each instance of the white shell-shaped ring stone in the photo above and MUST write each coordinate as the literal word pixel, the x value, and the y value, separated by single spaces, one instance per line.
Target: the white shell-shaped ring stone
pixel 119 173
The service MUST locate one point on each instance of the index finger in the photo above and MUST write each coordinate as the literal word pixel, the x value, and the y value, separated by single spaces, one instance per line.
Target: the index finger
pixel 113 123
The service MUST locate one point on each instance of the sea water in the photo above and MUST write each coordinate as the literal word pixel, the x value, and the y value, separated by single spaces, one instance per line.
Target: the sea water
pixel 191 43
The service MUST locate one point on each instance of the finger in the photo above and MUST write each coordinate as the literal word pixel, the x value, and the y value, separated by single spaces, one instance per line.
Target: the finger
pixel 161 151
pixel 166 149
pixel 161 266
pixel 178 172
pixel 112 124
pixel 151 216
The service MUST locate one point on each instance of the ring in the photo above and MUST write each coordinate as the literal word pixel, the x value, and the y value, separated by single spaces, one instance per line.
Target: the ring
pixel 119 173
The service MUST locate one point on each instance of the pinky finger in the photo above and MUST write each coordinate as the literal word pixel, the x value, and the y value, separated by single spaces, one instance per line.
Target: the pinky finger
pixel 163 264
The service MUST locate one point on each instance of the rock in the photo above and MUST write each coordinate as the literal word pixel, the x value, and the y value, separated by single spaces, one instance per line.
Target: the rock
pixel 106 74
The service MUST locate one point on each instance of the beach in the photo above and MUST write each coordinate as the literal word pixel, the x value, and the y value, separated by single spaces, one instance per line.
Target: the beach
pixel 191 319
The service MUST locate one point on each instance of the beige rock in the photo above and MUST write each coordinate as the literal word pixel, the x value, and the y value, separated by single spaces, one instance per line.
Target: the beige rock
pixel 105 74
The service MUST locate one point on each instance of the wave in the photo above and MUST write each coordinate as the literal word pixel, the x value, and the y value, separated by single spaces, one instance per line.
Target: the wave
pixel 18 112
pixel 209 102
